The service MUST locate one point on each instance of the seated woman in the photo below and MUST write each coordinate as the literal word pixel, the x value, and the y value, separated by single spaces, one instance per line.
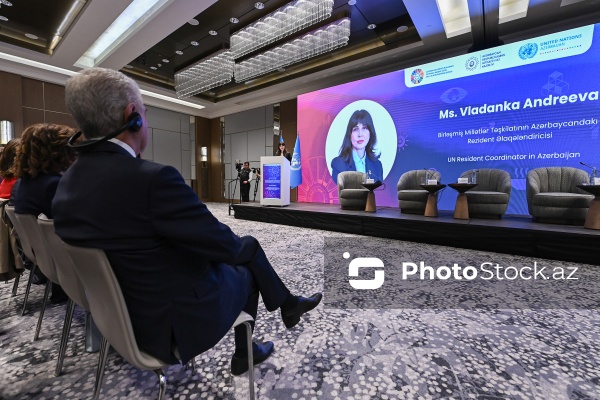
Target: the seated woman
pixel 7 171
pixel 358 151
pixel 42 158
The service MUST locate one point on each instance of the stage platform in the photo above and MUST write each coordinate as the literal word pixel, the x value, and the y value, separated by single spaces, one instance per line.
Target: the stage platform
pixel 511 235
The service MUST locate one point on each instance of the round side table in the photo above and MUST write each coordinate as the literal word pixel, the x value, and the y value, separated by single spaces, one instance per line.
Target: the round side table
pixel 461 210
pixel 592 219
pixel 431 208
pixel 371 206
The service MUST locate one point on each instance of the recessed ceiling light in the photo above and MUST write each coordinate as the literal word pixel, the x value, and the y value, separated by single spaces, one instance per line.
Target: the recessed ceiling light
pixel 212 33
pixel 129 66
pixel 152 67
pixel 159 65
pixel 3 18
pixel 193 21
pixel 402 28
pixel 31 36
pixel 372 26
pixel 234 20
pixel 6 3
pixel 352 2
pixel 194 43
pixel 258 5
pixel 165 60
pixel 179 52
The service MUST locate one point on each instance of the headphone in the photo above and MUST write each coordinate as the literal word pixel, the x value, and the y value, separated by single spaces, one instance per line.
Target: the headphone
pixel 134 123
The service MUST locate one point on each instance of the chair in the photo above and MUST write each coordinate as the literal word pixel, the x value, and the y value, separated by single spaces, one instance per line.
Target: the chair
pixel 412 199
pixel 553 195
pixel 68 280
pixel 489 199
pixel 11 265
pixel 43 259
pixel 109 310
pixel 26 247
pixel 352 194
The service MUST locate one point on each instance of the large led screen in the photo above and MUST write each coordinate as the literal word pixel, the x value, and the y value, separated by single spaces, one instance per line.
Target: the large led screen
pixel 516 107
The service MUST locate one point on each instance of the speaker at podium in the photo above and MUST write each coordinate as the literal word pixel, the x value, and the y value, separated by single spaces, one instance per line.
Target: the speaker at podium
pixel 275 187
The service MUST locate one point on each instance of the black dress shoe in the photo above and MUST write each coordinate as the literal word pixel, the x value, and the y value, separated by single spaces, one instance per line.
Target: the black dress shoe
pixel 260 352
pixel 292 317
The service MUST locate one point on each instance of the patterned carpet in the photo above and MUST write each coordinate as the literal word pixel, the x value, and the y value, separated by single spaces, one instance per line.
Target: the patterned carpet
pixel 333 353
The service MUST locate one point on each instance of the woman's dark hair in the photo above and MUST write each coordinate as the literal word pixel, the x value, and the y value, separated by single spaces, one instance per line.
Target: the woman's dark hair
pixel 362 117
pixel 44 149
pixel 7 158
pixel 279 153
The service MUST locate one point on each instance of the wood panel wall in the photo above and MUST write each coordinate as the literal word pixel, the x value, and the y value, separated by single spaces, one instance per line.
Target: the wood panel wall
pixel 25 101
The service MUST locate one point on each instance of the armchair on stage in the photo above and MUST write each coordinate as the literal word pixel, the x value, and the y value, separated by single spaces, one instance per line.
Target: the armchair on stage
pixel 489 199
pixel 412 198
pixel 553 195
pixel 352 194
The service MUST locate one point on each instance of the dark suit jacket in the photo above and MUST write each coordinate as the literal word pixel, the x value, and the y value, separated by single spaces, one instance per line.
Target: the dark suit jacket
pixel 34 195
pixel 163 244
pixel 338 165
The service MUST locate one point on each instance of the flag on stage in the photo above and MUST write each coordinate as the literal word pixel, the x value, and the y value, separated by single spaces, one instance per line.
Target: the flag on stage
pixel 296 166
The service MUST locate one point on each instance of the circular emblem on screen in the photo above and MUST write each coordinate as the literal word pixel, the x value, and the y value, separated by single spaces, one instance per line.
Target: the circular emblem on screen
pixel 417 76
pixel 528 50
pixel 472 63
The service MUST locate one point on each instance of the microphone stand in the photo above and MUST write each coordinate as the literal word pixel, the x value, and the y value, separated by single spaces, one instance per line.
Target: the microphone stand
pixel 256 186
pixel 229 192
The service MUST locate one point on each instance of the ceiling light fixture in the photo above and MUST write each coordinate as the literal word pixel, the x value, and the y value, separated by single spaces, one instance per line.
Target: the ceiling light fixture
pixel 165 60
pixel 234 20
pixel 31 36
pixel 179 52
pixel 258 5
pixel 351 2
pixel 6 3
pixel 153 68
pixel 212 71
pixel 402 28
pixel 193 21
pixel 319 41
pixel 131 20
pixel 3 18
pixel 212 33
pixel 284 21
pixel 194 43
pixel 371 26
pixel 455 16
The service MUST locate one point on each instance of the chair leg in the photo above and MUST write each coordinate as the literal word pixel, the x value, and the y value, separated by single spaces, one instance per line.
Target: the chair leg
pixel 250 359
pixel 192 366
pixel 104 347
pixel 31 271
pixel 39 324
pixel 162 383
pixel 65 337
pixel 16 285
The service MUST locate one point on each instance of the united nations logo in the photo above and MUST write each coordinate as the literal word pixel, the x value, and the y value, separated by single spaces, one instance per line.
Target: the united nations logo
pixel 472 63
pixel 528 50
pixel 417 76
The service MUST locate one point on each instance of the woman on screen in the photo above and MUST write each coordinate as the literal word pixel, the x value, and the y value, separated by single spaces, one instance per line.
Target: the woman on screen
pixel 358 151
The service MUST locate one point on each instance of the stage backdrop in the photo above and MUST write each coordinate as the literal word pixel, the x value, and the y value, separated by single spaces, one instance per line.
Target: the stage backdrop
pixel 516 107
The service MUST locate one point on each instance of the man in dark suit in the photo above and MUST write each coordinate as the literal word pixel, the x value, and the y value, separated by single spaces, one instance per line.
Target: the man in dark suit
pixel 245 182
pixel 185 276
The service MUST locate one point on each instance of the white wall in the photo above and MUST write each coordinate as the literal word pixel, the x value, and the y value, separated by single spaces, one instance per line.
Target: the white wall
pixel 248 136
pixel 171 141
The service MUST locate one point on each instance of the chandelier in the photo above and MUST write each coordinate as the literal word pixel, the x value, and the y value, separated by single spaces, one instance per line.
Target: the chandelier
pixel 212 71
pixel 284 21
pixel 319 41
pixel 219 68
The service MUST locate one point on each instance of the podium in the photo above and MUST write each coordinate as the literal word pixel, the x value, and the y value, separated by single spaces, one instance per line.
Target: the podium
pixel 275 176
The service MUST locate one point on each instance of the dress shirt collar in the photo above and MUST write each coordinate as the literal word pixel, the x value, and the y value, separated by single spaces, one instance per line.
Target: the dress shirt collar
pixel 123 145
pixel 359 163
